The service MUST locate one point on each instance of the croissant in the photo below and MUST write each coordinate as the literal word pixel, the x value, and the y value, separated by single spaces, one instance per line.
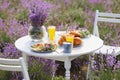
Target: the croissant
pixel 77 38
pixel 61 40
pixel 75 33
pixel 77 41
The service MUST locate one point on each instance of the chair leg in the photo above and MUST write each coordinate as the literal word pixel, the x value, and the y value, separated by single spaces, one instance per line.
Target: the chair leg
pixel 88 76
pixel 24 70
pixel 25 57
pixel 88 72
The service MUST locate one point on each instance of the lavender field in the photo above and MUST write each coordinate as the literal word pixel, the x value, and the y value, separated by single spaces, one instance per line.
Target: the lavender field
pixel 15 21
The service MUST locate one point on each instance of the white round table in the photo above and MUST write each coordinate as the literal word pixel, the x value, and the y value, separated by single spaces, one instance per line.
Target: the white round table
pixel 89 45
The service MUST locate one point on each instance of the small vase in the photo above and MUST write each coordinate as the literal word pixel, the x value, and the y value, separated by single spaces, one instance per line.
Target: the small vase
pixel 36 33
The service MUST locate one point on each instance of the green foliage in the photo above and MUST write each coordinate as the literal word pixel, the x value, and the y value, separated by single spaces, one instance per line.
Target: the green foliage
pixel 3 15
pixel 22 16
pixel 98 7
pixel 4 37
pixel 68 14
pixel 14 3
pixel 77 16
pixel 107 32
pixel 50 0
pixel 58 78
pixel 116 8
pixel 4 75
pixel 103 75
pixel 117 75
pixel 104 69
pixel 37 73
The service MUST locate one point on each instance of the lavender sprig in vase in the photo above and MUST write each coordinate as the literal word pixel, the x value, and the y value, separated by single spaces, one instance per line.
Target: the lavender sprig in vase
pixel 36 30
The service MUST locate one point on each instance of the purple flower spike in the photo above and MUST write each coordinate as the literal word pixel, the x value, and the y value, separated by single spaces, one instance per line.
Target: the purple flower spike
pixel 38 11
pixel 117 65
pixel 110 60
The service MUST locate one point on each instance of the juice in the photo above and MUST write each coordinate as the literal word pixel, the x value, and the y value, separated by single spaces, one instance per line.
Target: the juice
pixel 70 38
pixel 51 32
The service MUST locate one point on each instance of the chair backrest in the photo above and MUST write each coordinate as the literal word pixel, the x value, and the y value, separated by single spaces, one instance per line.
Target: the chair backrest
pixel 14 65
pixel 104 17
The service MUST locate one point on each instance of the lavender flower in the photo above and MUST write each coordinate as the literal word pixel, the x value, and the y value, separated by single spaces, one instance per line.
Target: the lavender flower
pixel 95 1
pixel 1 23
pixel 110 59
pixel 16 30
pixel 4 5
pixel 117 65
pixel 38 11
pixel 10 51
pixel 37 17
pixel 67 1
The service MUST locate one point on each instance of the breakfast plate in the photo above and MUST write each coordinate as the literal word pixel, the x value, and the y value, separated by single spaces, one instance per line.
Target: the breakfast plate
pixel 84 33
pixel 43 47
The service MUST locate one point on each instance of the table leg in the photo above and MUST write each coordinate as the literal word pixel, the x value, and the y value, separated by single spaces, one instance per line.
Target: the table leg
pixel 67 65
pixel 25 57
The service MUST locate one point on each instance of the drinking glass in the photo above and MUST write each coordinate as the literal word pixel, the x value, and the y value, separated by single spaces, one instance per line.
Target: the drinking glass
pixel 70 38
pixel 51 32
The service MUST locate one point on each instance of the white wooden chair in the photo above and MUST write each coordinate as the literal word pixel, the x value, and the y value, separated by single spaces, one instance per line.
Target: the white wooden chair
pixel 104 17
pixel 14 65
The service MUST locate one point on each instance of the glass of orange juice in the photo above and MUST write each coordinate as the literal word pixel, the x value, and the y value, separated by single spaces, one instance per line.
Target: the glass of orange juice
pixel 70 38
pixel 51 33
